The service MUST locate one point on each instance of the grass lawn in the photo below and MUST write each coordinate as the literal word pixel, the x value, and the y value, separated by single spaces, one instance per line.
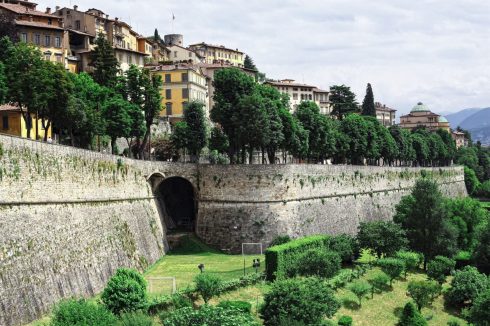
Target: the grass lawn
pixel 386 307
pixel 182 264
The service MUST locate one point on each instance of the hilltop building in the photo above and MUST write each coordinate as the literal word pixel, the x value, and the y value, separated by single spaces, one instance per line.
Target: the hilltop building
pixel 421 116
pixel 84 26
pixel 216 54
pixel 385 115
pixel 302 92
pixel 182 83
pixel 42 29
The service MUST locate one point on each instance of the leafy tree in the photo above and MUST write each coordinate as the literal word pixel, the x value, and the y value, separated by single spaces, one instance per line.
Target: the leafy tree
pixel 450 145
pixel 392 267
pixel 422 216
pixel 360 289
pixel 368 107
pixel 208 285
pixel 104 62
pixel 179 137
pixel 378 282
pixel 209 316
pixel 303 300
pixel 466 285
pixel 249 63
pixel 439 268
pixel 479 313
pixel 195 118
pixel 218 140
pixel 7 26
pixel 317 262
pixel 481 255
pixel 471 181
pixel 410 259
pixel 231 86
pixel 384 238
pixel 411 317
pixel 296 138
pixel 343 101
pixel 346 246
pixel 423 292
pixel 388 146
pixel 403 139
pixel 138 127
pixel 468 156
pixel 355 128
pixel 80 312
pixel 118 120
pixel 152 104
pixel 421 148
pixel 3 84
pixel 125 291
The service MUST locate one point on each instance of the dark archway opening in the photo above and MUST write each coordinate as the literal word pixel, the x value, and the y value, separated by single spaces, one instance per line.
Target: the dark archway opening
pixel 177 200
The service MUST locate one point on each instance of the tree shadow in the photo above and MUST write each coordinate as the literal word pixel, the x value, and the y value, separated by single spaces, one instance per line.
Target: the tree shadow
pixel 398 311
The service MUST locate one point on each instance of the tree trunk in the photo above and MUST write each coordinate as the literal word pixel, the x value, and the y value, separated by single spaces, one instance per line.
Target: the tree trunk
pixel 72 138
pixel 113 145
pixel 47 126
pixel 250 155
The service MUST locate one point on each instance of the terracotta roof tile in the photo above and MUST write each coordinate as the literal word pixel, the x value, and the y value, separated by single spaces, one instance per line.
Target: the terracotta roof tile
pixel 9 107
pixel 37 24
pixel 19 9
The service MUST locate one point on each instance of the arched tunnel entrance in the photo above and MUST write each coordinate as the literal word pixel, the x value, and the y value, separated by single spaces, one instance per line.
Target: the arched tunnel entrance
pixel 177 201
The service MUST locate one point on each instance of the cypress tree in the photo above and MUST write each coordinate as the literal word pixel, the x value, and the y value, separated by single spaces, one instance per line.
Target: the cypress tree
pixel 368 107
pixel 104 62
pixel 411 317
pixel 249 63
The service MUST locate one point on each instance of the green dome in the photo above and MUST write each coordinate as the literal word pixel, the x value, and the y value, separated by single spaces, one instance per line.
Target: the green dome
pixel 420 107
pixel 442 119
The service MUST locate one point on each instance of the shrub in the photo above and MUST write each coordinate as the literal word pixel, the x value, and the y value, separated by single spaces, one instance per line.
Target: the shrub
pixel 383 238
pixel 411 317
pixel 378 282
pixel 136 319
pixel 439 268
pixel 466 285
pixel 462 259
pixel 360 289
pixel 208 285
pixel 471 181
pixel 341 279
pixel 81 313
pixel 411 260
pixel 484 189
pixel 345 321
pixel 125 291
pixel 423 292
pixel 482 251
pixel 479 313
pixel 282 258
pixel 453 323
pixel 218 158
pixel 392 267
pixel 238 305
pixel 318 262
pixel 305 300
pixel 279 240
pixel 209 316
pixel 346 246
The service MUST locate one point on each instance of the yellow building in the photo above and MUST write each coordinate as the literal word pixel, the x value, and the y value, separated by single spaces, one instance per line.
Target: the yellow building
pixel 42 29
pixel 218 54
pixel 14 124
pixel 181 84
pixel 421 116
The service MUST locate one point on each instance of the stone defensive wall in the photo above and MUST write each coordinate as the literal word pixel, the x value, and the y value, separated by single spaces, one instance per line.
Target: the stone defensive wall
pixel 70 217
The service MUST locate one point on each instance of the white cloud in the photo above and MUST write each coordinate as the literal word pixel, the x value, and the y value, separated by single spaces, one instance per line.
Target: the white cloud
pixel 435 51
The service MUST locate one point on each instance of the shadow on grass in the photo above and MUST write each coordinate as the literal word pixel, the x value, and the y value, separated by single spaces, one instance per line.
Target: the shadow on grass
pixel 191 245
pixel 350 304
pixel 398 311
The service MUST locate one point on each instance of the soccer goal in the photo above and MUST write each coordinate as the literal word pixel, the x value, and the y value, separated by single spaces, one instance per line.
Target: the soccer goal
pixel 252 248
pixel 161 285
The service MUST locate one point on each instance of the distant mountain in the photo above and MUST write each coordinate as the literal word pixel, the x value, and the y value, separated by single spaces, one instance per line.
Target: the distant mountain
pixel 479 125
pixel 455 119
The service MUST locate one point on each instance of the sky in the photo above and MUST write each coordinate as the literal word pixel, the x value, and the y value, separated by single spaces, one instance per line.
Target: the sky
pixel 433 51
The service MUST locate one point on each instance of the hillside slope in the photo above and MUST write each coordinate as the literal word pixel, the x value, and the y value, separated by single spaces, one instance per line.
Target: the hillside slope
pixel 455 119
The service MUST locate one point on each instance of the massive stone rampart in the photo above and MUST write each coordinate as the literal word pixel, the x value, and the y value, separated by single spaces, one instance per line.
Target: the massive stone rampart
pixel 70 217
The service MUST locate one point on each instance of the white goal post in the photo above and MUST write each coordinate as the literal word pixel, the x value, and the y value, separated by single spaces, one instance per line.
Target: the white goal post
pixel 162 285
pixel 251 248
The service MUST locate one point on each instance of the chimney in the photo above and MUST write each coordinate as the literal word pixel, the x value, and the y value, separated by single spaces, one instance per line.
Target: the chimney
pixel 75 7
pixel 106 16
pixel 48 10
pixel 57 8
pixel 117 19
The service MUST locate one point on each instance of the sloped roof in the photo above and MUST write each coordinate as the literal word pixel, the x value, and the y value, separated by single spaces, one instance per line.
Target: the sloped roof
pixel 23 10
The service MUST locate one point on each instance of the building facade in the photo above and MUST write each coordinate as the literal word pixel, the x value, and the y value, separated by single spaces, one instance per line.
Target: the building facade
pixel 181 84
pixel 179 54
pixel 421 116
pixel 14 124
pixel 215 54
pixel 42 29
pixel 385 115
pixel 322 99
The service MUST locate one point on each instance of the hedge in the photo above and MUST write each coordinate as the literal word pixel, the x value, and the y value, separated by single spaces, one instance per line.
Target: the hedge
pixel 279 259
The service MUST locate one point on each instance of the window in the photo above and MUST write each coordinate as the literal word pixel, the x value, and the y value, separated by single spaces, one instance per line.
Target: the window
pixel 190 54
pixel 5 122
pixel 185 77
pixel 23 37
pixel 57 42
pixel 37 39
pixel 310 97
pixel 47 56
pixel 77 25
pixel 295 89
pixel 168 78
pixel 295 96
pixel 50 21
pixel 175 54
pixel 47 40
pixel 58 57
pixel 302 97
pixel 168 94
pixel 185 93
pixel 168 108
